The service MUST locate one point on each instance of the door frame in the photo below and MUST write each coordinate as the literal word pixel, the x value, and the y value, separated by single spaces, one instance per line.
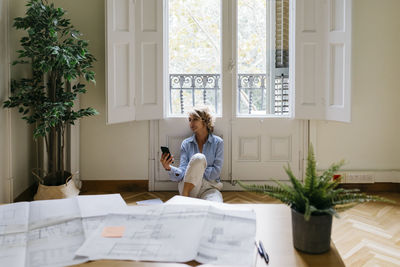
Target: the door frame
pixel 6 179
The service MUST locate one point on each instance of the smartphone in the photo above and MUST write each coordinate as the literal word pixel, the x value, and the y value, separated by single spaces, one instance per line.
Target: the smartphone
pixel 165 150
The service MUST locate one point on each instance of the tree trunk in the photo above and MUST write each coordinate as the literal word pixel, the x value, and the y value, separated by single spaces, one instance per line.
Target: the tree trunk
pixel 56 139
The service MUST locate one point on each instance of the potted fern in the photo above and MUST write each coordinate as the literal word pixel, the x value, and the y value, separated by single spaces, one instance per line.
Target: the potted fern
pixel 313 203
pixel 58 57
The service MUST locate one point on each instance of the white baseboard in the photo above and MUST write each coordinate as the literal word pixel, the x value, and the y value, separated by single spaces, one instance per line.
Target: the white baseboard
pixel 349 176
pixel 173 186
pixel 10 191
pixel 370 176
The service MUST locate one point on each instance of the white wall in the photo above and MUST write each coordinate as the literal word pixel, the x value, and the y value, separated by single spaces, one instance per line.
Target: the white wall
pixel 371 141
pixel 22 145
pixel 16 146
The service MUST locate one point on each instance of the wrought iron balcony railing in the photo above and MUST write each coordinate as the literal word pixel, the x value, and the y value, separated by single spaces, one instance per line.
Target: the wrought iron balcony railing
pixel 187 90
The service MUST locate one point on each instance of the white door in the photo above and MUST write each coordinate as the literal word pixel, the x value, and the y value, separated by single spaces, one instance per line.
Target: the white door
pixel 252 108
pixel 264 137
pixel 261 147
pixel 197 78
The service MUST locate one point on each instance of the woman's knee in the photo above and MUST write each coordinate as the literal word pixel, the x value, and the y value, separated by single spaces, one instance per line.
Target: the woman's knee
pixel 198 158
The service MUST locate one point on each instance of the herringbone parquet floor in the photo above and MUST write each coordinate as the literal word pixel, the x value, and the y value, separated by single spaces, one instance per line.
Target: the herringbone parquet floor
pixel 366 235
pixel 369 234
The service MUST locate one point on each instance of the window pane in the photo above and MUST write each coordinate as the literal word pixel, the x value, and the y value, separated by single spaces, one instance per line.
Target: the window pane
pixel 263 57
pixel 252 43
pixel 194 54
pixel 252 56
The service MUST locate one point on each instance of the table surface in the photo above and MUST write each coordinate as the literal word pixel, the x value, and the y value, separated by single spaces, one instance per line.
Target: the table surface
pixel 274 228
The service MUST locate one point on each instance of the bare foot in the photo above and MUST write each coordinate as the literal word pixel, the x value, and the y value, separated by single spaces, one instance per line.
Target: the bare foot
pixel 186 189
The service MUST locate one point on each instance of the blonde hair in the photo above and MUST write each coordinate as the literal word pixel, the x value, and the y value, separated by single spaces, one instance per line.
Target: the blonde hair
pixel 205 115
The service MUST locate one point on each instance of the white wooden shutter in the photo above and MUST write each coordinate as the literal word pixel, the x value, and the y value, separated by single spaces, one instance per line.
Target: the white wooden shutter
pixel 339 61
pixel 322 57
pixel 149 61
pixel 134 65
pixel 309 52
pixel 120 61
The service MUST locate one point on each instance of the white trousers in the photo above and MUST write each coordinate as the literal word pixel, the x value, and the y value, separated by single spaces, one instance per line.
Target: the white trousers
pixel 208 190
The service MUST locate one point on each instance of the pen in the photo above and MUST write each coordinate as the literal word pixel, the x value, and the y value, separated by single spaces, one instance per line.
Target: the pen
pixel 265 255
pixel 259 249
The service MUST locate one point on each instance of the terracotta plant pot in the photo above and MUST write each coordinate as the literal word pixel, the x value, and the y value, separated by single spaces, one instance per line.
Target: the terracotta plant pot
pixel 312 236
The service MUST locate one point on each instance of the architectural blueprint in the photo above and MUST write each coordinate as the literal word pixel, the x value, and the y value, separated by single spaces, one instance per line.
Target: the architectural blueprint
pixel 48 232
pixel 70 231
pixel 177 233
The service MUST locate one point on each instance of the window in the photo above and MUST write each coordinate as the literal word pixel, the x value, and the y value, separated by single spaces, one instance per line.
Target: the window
pixel 194 55
pixel 306 73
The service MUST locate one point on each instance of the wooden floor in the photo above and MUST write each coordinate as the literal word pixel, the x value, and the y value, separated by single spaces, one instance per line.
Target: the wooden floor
pixel 366 235
pixel 369 234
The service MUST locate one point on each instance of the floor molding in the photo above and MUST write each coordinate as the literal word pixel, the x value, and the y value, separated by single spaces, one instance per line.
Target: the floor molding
pixel 28 194
pixel 114 186
pixel 373 187
pixel 142 185
pixel 118 186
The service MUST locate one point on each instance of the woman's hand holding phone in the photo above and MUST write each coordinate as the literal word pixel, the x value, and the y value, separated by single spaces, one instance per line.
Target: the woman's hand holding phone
pixel 166 160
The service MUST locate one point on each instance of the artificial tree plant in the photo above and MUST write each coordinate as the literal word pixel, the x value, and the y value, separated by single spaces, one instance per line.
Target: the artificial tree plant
pixel 58 57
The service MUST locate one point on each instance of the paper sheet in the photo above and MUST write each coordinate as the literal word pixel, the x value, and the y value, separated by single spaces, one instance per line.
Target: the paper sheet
pixel 228 238
pixel 48 212
pixel 48 232
pixel 54 245
pixel 177 233
pixel 14 218
pixel 149 202
pixel 91 206
pixel 157 233
pixel 94 209
pixel 13 249
pixel 181 200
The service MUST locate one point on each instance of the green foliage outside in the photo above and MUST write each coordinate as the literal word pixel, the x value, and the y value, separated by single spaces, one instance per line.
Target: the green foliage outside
pixel 317 194
pixel 195 43
pixel 195 36
pixel 57 56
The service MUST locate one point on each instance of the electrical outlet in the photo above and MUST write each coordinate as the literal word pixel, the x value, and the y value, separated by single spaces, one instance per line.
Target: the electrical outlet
pixel 361 178
pixel 342 177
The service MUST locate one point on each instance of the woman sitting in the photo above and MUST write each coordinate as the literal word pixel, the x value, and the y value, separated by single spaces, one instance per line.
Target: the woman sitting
pixel 202 156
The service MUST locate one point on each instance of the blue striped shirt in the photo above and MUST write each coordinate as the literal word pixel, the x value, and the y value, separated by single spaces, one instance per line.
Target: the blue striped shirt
pixel 213 149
